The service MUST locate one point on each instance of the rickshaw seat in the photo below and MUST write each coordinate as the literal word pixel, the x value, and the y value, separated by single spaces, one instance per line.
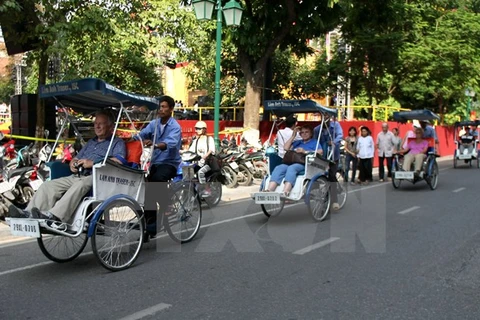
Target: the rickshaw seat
pixel 273 161
pixel 58 169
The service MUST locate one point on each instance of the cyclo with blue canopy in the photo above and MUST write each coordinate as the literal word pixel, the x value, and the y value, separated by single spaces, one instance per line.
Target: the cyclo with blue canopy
pixel 112 215
pixel 466 145
pixel 429 171
pixel 312 184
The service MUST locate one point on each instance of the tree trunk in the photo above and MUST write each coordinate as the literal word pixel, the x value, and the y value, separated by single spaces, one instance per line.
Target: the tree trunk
pixel 42 79
pixel 251 117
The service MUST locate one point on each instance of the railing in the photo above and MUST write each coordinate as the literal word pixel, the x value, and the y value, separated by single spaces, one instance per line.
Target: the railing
pixel 237 111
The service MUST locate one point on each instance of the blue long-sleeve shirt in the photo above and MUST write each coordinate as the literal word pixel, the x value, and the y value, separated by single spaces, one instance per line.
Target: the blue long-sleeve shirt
pixel 171 135
pixel 334 132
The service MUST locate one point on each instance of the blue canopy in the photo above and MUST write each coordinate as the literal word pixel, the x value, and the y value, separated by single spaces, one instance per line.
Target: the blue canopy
pixel 287 107
pixel 93 94
pixel 420 115
pixel 467 123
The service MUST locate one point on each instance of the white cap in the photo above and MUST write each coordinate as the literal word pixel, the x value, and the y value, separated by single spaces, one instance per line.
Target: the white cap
pixel 416 124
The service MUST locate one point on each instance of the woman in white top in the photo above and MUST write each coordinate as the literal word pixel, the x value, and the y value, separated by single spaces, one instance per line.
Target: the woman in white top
pixel 204 146
pixel 365 154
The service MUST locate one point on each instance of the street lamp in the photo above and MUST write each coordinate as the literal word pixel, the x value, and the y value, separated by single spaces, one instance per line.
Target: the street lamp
pixel 233 15
pixel 470 94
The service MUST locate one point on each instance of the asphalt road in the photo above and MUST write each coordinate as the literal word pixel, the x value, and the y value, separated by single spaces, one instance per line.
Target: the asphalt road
pixel 410 253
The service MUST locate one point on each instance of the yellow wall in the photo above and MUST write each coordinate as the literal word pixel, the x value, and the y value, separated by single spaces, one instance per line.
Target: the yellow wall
pixel 176 84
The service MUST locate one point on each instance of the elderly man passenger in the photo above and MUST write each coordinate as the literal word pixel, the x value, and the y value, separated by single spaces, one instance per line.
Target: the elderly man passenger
pixel 57 200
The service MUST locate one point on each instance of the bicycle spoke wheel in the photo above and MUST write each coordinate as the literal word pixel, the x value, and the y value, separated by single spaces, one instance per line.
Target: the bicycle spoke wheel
pixel 432 180
pixel 318 199
pixel 61 248
pixel 183 217
pixel 342 189
pixel 273 210
pixel 118 235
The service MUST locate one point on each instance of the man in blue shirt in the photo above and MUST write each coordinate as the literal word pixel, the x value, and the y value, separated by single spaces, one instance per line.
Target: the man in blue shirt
pixel 331 136
pixel 429 132
pixel 57 200
pixel 165 159
pixel 168 142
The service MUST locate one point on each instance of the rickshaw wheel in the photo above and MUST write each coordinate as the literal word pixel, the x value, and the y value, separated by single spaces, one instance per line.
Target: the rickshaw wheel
pixel 432 180
pixel 59 248
pixel 273 210
pixel 395 182
pixel 455 160
pixel 183 216
pixel 318 199
pixel 118 235
pixel 478 163
pixel 342 190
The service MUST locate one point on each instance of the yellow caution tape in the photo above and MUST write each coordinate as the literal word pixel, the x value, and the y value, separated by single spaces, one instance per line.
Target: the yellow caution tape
pixel 13 136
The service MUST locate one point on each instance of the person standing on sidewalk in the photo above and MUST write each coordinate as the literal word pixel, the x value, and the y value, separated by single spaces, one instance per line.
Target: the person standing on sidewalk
pixel 385 146
pixel 351 153
pixel 365 154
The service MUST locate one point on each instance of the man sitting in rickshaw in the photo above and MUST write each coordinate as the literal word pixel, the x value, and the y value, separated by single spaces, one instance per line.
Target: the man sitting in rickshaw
pixel 467 139
pixel 57 200
pixel 289 172
pixel 417 149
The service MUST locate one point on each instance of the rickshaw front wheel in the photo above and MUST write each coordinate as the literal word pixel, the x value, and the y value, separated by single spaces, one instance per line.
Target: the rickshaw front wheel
pixel 274 209
pixel 318 199
pixel 118 235
pixel 60 248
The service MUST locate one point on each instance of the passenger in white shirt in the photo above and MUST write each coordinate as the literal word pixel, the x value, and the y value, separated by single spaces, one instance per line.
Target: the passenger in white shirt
pixel 284 134
pixel 365 154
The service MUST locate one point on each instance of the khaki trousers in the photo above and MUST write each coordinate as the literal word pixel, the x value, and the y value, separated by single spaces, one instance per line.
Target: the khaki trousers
pixel 409 158
pixel 61 196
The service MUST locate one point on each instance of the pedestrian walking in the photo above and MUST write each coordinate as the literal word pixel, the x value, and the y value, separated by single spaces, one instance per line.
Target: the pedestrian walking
pixel 351 153
pixel 385 146
pixel 365 154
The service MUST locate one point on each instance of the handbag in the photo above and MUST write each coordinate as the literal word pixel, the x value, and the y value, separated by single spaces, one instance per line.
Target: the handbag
pixel 292 157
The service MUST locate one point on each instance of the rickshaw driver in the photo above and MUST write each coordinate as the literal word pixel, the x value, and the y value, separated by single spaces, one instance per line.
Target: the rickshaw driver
pixel 467 139
pixel 58 199
pixel 429 132
pixel 166 154
pixel 333 131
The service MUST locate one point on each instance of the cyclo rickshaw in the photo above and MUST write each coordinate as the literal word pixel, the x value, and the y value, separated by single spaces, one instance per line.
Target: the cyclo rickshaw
pixel 429 172
pixel 112 216
pixel 467 143
pixel 312 184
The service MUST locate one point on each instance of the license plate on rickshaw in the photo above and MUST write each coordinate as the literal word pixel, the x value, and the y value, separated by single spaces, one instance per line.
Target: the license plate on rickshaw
pixel 403 175
pixel 249 164
pixel 25 228
pixel 234 165
pixel 267 198
pixel 464 156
